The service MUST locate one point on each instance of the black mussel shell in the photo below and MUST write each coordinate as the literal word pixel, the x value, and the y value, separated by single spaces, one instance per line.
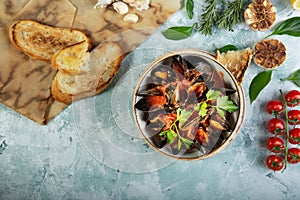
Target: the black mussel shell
pixel 159 141
pixel 150 89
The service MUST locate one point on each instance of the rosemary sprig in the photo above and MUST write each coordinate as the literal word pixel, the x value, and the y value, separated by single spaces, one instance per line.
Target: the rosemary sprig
pixel 231 15
pixel 209 17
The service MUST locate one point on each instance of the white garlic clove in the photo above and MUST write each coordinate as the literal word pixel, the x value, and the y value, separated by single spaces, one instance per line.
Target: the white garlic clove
pixel 131 18
pixel 141 4
pixel 120 7
pixel 103 3
pixel 129 1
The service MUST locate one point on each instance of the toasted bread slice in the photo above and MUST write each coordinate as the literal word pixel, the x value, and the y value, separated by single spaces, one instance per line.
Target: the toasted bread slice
pixel 237 62
pixel 73 59
pixel 103 64
pixel 40 41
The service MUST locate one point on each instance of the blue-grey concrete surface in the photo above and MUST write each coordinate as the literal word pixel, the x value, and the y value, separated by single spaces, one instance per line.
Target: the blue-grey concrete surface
pixel 93 150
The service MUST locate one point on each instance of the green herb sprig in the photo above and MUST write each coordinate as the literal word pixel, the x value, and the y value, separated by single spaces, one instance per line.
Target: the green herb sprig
pixel 294 77
pixel 231 15
pixel 222 104
pixel 173 131
pixel 209 17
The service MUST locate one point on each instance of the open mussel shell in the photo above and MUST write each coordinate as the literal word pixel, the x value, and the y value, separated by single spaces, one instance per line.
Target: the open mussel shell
pixel 178 66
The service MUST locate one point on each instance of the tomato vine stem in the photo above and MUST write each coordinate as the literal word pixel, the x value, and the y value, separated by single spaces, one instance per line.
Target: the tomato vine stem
pixel 286 129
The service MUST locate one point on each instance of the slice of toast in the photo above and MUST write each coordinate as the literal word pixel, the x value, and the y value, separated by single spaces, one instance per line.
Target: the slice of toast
pixel 102 65
pixel 40 41
pixel 237 62
pixel 72 60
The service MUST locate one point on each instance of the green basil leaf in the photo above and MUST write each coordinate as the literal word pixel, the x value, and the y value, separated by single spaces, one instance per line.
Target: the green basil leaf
pixel 190 8
pixel 294 77
pixel 178 32
pixel 226 48
pixel 290 26
pixel 259 82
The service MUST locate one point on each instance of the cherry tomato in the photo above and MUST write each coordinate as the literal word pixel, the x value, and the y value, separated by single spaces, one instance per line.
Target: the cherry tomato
pixel 293 155
pixel 274 162
pixel 276 126
pixel 293 98
pixel 294 117
pixel 275 107
pixel 275 144
pixel 294 137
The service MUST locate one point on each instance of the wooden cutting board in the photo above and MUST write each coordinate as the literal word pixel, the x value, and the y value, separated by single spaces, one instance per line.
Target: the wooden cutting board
pixel 25 83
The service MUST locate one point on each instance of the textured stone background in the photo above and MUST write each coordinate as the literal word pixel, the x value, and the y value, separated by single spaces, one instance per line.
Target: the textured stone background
pixel 64 160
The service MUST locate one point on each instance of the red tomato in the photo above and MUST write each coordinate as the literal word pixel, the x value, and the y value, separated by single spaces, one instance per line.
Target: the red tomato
pixel 293 98
pixel 293 155
pixel 276 126
pixel 274 162
pixel 156 100
pixel 275 107
pixel 294 117
pixel 294 137
pixel 275 144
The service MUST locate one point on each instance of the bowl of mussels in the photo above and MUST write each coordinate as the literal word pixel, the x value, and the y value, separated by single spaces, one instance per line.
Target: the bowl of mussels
pixel 188 106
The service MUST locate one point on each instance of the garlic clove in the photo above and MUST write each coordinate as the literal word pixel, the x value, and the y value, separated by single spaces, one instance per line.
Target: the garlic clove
pixel 120 7
pixel 130 1
pixel 102 3
pixel 131 18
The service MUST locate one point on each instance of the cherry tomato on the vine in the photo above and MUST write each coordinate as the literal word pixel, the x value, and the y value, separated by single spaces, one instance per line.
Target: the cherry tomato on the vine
pixel 275 107
pixel 274 162
pixel 276 126
pixel 294 136
pixel 294 117
pixel 275 144
pixel 293 98
pixel 293 155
